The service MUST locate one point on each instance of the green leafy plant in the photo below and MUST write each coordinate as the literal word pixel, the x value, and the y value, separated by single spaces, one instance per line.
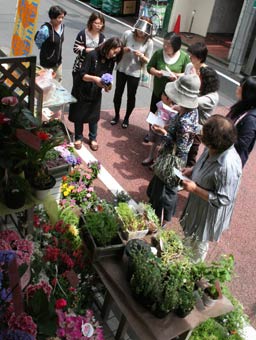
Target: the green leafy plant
pixel 121 196
pixel 130 218
pixel 102 225
pixel 171 245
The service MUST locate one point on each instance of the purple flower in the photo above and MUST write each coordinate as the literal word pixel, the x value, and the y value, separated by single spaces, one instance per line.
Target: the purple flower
pixel 107 78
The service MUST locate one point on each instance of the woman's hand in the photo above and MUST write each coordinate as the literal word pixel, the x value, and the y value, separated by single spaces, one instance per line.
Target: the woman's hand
pixel 189 185
pixel 99 83
pixel 156 73
pixel 158 129
pixel 127 49
pixel 187 172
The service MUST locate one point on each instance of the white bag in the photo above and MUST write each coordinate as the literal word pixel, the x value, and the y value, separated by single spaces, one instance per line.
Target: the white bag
pixel 145 77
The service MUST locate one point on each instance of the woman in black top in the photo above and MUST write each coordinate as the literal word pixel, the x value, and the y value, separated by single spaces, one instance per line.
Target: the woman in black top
pixel 89 38
pixel 87 89
pixel 243 114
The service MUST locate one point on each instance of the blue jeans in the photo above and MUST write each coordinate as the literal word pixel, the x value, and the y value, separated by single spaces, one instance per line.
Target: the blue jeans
pixel 79 126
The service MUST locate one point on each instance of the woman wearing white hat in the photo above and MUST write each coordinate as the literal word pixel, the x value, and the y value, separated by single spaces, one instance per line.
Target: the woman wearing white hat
pixel 137 51
pixel 178 140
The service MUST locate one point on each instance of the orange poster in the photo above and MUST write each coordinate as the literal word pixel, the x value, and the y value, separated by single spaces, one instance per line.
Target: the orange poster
pixel 24 27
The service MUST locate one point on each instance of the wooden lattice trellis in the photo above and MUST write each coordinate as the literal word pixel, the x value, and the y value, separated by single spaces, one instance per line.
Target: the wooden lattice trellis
pixel 18 73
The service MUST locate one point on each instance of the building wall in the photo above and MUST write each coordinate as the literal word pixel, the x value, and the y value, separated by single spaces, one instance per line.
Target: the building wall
pixel 225 16
pixel 201 18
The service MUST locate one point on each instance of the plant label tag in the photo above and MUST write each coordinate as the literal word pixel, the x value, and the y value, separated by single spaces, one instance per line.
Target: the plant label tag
pixel 28 138
pixel 87 330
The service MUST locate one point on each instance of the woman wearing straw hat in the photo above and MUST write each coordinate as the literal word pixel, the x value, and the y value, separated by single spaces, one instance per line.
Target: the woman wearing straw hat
pixel 138 48
pixel 177 140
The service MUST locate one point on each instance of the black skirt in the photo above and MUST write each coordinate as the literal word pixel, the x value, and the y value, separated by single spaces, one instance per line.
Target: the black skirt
pixel 162 197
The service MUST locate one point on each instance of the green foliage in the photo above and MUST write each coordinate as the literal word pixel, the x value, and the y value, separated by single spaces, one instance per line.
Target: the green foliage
pixel 234 321
pixel 171 245
pixel 43 313
pixel 103 226
pixel 137 219
pixel 122 196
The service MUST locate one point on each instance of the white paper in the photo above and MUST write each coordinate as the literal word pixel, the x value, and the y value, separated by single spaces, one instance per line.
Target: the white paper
pixel 162 106
pixel 155 120
pixel 168 73
pixel 178 173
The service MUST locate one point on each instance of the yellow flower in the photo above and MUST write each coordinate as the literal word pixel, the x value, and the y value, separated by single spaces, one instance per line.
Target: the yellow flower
pixel 73 230
pixel 66 193
pixel 71 187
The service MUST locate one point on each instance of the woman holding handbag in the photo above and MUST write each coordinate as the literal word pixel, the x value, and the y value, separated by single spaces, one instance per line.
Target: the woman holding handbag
pixel 162 189
pixel 138 48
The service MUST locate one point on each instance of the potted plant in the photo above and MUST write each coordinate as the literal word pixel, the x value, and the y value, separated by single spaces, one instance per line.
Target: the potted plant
pixel 131 249
pixel 15 190
pixel 100 233
pixel 214 276
pixel 42 182
pixel 133 225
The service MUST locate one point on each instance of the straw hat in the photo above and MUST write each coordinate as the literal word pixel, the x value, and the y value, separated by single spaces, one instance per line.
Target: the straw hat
pixel 144 26
pixel 184 91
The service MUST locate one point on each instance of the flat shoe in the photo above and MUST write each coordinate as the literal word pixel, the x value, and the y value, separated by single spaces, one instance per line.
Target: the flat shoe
pixel 114 121
pixel 94 145
pixel 125 125
pixel 78 144
pixel 147 162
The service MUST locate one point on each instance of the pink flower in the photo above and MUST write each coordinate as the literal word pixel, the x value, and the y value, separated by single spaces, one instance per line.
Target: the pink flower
pixel 60 303
pixel 23 322
pixel 9 101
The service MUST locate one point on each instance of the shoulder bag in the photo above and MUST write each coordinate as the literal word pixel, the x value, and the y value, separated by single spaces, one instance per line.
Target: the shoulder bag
pixel 164 166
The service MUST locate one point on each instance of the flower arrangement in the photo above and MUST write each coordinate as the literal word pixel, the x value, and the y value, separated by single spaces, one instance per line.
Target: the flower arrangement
pixel 107 80
pixel 77 189
pixel 76 327
pixel 59 291
pixel 66 151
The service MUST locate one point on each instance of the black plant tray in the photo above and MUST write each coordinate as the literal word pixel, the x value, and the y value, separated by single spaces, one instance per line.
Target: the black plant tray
pixel 97 252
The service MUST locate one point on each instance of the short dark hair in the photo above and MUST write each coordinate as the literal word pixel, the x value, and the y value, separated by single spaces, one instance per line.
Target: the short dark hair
pixel 110 43
pixel 199 50
pixel 174 40
pixel 55 11
pixel 210 81
pixel 219 133
pixel 94 16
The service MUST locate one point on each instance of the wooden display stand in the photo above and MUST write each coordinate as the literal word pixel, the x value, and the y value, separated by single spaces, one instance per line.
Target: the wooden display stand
pixel 142 322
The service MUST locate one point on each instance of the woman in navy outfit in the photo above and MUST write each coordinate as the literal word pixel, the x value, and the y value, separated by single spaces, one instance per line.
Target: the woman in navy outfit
pixel 243 114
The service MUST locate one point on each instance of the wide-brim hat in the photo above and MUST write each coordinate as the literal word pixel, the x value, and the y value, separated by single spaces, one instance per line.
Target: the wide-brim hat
pixel 143 26
pixel 184 91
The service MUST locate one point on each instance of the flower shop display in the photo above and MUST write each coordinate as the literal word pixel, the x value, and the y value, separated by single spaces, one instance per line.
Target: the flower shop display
pixel 59 292
pixel 100 231
pixel 137 221
pixel 77 189
pixel 167 282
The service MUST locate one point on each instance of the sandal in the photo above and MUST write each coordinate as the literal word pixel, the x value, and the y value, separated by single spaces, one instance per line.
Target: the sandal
pixel 125 124
pixel 94 145
pixel 78 144
pixel 114 121
pixel 147 162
